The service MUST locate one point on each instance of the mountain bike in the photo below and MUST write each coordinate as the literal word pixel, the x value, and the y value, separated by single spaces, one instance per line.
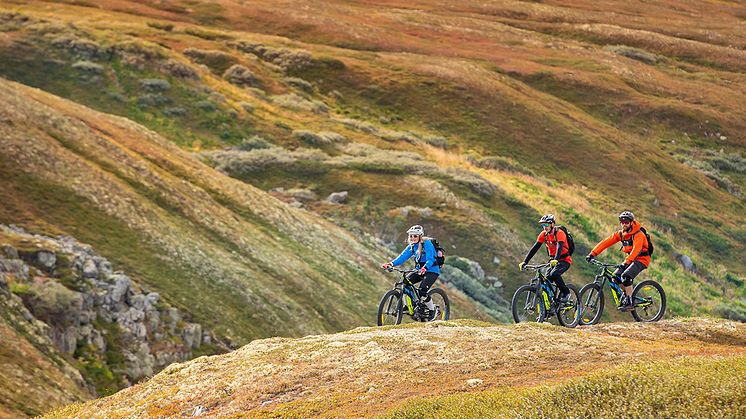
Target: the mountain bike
pixel 648 297
pixel 393 307
pixel 539 300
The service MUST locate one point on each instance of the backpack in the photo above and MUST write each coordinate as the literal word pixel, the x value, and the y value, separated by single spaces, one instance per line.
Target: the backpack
pixel 651 248
pixel 440 253
pixel 570 240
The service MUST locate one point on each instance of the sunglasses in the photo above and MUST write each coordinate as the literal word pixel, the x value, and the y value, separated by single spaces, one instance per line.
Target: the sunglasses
pixel 411 236
pixel 545 224
pixel 625 222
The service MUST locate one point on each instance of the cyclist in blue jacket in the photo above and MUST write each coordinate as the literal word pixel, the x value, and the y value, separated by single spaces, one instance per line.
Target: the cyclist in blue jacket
pixel 423 250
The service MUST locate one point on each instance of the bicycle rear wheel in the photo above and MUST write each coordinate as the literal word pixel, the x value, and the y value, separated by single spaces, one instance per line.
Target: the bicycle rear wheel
pixel 650 301
pixel 526 305
pixel 440 299
pixel 569 314
pixel 390 309
pixel 591 304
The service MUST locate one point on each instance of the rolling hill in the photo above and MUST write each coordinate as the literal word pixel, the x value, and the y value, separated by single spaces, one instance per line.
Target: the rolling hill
pixel 253 161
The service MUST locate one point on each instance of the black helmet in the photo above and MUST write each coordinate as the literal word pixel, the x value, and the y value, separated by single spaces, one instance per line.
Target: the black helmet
pixel 626 215
pixel 549 218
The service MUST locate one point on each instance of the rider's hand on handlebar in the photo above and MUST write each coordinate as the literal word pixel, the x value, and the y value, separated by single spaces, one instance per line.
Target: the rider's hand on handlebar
pixel 422 271
pixel 387 266
pixel 521 265
pixel 553 263
pixel 589 258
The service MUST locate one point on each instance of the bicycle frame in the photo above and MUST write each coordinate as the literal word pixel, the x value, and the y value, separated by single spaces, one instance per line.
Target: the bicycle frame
pixel 606 275
pixel 549 289
pixel 407 289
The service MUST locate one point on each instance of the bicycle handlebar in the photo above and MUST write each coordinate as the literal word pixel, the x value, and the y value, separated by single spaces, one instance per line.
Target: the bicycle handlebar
pixel 392 269
pixel 605 265
pixel 535 267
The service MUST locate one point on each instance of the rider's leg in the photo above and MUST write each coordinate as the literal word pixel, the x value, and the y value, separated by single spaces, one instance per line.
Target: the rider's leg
pixel 629 274
pixel 555 275
pixel 425 285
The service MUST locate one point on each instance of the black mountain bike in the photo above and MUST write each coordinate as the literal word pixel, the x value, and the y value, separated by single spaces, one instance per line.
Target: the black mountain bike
pixel 393 306
pixel 539 300
pixel 648 297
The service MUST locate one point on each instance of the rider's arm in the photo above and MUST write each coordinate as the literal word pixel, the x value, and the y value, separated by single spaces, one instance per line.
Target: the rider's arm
pixel 605 243
pixel 532 252
pixel 403 256
pixel 561 239
pixel 637 243
pixel 429 250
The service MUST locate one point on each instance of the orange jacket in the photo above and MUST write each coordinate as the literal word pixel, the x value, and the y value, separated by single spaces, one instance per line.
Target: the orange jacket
pixel 632 243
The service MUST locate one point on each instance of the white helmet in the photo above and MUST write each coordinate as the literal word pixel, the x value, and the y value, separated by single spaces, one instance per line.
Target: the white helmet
pixel 416 229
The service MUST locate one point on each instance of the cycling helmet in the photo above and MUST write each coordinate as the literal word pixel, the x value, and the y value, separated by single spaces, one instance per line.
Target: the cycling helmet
pixel 626 215
pixel 416 229
pixel 549 218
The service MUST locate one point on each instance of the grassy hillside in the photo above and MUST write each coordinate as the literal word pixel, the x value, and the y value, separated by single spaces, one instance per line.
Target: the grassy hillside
pixel 457 367
pixel 540 108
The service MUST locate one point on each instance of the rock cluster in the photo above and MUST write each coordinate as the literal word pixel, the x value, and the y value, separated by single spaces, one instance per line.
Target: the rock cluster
pixel 91 310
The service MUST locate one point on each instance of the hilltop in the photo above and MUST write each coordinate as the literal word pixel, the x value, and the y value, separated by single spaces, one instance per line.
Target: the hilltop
pixel 369 371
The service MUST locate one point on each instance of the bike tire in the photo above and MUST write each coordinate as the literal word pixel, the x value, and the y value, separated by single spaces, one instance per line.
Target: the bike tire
pixel 592 304
pixel 643 291
pixel 439 294
pixel 570 317
pixel 390 308
pixel 526 305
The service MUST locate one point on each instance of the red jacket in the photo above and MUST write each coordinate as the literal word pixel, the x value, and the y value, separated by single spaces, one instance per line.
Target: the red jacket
pixel 551 241
pixel 634 242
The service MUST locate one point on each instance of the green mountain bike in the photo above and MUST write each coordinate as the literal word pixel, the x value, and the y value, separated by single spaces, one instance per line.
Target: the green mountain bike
pixel 539 300
pixel 393 307
pixel 648 297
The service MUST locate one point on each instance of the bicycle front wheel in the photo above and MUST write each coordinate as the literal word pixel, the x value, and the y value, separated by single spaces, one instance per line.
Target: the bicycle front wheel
pixel 440 299
pixel 390 309
pixel 568 314
pixel 526 305
pixel 650 301
pixel 591 304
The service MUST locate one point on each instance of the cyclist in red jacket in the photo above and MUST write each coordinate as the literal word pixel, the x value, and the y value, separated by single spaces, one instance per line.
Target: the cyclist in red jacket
pixel 559 251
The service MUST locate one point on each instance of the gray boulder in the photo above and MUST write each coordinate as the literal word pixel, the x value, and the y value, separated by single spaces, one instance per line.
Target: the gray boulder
pixel 121 287
pixel 10 252
pixel 686 262
pixel 47 260
pixel 90 270
pixel 337 197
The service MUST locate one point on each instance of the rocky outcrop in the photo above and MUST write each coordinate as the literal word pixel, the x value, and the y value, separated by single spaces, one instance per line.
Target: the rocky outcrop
pixel 89 311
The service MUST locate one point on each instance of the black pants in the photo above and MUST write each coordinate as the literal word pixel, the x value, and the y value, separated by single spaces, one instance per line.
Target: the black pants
pixel 629 272
pixel 555 275
pixel 426 281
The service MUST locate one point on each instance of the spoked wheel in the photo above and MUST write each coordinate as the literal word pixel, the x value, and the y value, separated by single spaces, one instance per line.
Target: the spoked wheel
pixel 440 299
pixel 591 304
pixel 390 310
pixel 568 314
pixel 526 305
pixel 650 301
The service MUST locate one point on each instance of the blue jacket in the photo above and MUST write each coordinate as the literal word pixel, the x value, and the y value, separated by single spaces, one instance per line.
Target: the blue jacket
pixel 427 259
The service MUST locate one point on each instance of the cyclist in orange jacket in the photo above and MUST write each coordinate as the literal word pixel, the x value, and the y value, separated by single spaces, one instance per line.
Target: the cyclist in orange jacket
pixel 635 244
pixel 559 252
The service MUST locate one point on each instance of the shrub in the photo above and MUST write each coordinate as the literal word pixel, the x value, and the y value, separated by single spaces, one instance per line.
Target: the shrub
pixel 293 101
pixel 152 99
pixel 178 69
pixel 206 106
pixel 254 143
pixel 208 35
pixel 332 137
pixel 242 163
pixel 299 83
pixel 140 49
pixel 155 85
pixel 168 27
pixel 389 135
pixel 436 141
pixel 216 60
pixel 241 76
pixel 246 106
pixel 359 125
pixel 310 137
pixel 175 111
pixel 732 310
pixel 88 68
pixel 499 163
pixel 284 58
pixel 13 21
pixel 473 181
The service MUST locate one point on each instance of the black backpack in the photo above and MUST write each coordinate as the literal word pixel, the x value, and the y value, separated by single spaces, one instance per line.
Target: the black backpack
pixel 440 253
pixel 651 248
pixel 570 240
